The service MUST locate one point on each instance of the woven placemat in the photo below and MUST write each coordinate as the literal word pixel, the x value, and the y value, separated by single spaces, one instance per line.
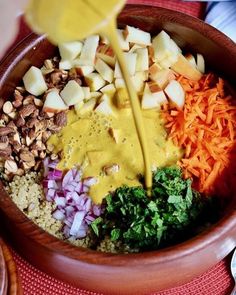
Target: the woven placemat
pixel 216 281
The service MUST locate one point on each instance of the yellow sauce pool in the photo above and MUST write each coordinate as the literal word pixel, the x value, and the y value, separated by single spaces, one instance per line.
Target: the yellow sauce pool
pixel 87 140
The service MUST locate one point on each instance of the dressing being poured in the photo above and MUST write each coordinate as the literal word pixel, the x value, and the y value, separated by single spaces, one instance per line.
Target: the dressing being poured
pixel 75 19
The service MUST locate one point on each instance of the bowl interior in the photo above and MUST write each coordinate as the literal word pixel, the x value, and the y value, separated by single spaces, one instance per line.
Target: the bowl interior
pixel 190 34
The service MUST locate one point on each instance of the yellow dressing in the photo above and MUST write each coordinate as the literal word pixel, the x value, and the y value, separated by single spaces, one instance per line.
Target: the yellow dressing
pixel 87 141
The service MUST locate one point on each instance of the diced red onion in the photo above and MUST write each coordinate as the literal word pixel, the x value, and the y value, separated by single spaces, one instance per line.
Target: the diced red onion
pixel 78 219
pixel 60 201
pixel 90 181
pixel 58 215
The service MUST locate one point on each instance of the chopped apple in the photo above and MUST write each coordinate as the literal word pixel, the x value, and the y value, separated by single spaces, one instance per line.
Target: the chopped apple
pixel 119 83
pixel 86 107
pixel 34 81
pixel 115 134
pixel 165 48
pixel 122 100
pixel 94 81
pixel 154 68
pixel 134 35
pixel 131 59
pixel 190 58
pixel 54 103
pixel 142 63
pixel 124 44
pixel 162 77
pixel 72 93
pixel 109 89
pixel 151 100
pixel 153 86
pixel 106 53
pixel 95 94
pixel 135 47
pixel 200 63
pixel 104 107
pixel 138 82
pixel 88 52
pixel 86 91
pixel 70 50
pixel 176 93
pixel 104 70
pixel 65 64
pixel 82 70
pixel 184 68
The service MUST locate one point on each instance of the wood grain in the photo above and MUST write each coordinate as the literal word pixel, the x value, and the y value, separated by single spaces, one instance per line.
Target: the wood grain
pixel 13 279
pixel 134 273
pixel 3 274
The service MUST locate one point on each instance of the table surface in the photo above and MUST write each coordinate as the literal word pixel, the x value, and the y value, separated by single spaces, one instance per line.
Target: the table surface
pixel 217 281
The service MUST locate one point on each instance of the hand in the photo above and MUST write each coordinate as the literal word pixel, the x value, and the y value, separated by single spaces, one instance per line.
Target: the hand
pixel 9 10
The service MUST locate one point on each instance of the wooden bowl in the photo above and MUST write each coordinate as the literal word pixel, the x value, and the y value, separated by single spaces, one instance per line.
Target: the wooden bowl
pixel 132 273
pixel 9 279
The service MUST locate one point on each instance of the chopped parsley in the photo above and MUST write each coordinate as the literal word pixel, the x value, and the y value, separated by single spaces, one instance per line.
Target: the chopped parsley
pixel 145 223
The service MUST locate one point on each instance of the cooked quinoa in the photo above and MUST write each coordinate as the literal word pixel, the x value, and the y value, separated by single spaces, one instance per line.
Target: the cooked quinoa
pixel 27 193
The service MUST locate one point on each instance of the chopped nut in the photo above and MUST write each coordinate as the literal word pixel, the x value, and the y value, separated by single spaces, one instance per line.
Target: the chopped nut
pixel 1 102
pixel 26 156
pixel 6 152
pixel 27 110
pixel 38 102
pixel 20 122
pixel 32 122
pixel 6 130
pixel 28 165
pixel 46 135
pixel 12 115
pixel 111 169
pixel 48 64
pixel 37 165
pixel 60 119
pixel 16 146
pixel 5 118
pixel 7 107
pixel 55 77
pixel 39 146
pixel 42 155
pixel 29 140
pixel 11 166
pixel 28 100
pixel 4 141
pixel 17 103
pixel 20 89
pixel 20 172
pixel 35 114
pixel 35 153
pixel 12 125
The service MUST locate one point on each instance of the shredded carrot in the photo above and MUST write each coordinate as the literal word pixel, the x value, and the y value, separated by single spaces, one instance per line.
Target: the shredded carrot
pixel 205 128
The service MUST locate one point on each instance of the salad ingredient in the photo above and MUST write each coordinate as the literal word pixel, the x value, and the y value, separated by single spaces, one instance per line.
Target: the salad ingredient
pixel 204 128
pixel 152 99
pixel 200 63
pixel 175 93
pixel 34 81
pixel 88 52
pixel 53 102
pixel 72 93
pixel 70 194
pixel 137 36
pixel 94 81
pixel 141 222
pixel 70 50
pixel 185 68
pixel 104 70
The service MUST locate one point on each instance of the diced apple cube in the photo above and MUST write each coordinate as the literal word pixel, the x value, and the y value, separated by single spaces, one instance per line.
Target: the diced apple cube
pixel 138 82
pixel 131 59
pixel 53 102
pixel 104 108
pixel 142 63
pixel 122 100
pixel 87 106
pixel 83 70
pixel 190 58
pixel 65 64
pixel 151 100
pixel 124 44
pixel 200 63
pixel 154 68
pixel 95 94
pixel 135 47
pixel 72 93
pixel 86 91
pixel 89 49
pixel 134 35
pixel 109 89
pixel 106 53
pixel 176 93
pixel 94 81
pixel 162 77
pixel 70 50
pixel 165 47
pixel 104 70
pixel 119 83
pixel 184 68
pixel 34 81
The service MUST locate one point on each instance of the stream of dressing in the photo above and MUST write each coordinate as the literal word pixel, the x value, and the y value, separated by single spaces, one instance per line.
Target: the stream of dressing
pixel 75 19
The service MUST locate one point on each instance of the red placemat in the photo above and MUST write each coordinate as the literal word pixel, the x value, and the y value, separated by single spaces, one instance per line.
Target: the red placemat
pixel 217 281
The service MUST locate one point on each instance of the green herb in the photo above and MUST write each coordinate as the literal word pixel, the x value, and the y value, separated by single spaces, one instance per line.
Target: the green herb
pixel 141 222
